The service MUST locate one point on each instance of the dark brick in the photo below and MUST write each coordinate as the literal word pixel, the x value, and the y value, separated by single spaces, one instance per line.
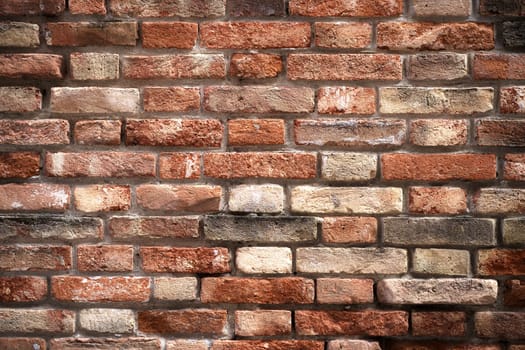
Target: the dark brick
pixel 514 34
pixel 502 7
pixel 254 8
pixel 514 294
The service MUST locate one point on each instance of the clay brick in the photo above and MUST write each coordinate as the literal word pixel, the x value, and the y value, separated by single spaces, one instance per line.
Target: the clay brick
pixel 255 66
pixel 180 165
pixel 500 132
pixel 263 323
pixel 348 166
pixel 184 322
pixel 337 8
pixel 100 289
pixel 31 66
pixel 499 261
pixel 437 200
pixel 349 230
pixel 164 35
pixel 23 343
pixel 503 325
pixel 501 8
pixel 153 227
pixel 19 164
pixel 447 8
pixel 87 7
pixel 264 260
pixel 344 291
pixel 185 260
pixel 192 198
pixel 35 258
pixel 438 132
pixel 514 231
pixel 114 321
pixel 111 258
pixel 439 324
pixel 34 132
pixel 432 345
pixel 247 132
pixel 94 100
pixel 19 34
pixel 168 8
pixel 344 67
pixel 355 35
pixel 37 321
pixel 350 344
pixel 32 7
pixel 101 198
pixel 94 66
pixel 175 288
pixel 512 100
pixel 98 132
pixel 514 293
pixel 91 33
pixel 254 35
pixel 188 344
pixel 255 8
pixel 437 66
pixel 266 198
pixel 174 132
pixel 514 168
pixel 235 290
pixel 513 34
pixel 346 100
pixel 441 262
pixel 142 343
pixel 20 99
pixel 491 66
pixel 267 345
pixel 34 196
pixel 499 200
pixel 22 289
pixel 171 99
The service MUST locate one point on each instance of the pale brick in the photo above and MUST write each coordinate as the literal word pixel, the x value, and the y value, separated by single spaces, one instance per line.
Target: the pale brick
pixel 264 260
pixel 263 323
pixel 500 200
pixel 94 100
pixel 344 291
pixel 447 8
pixel 348 166
pixel 34 196
pixel 348 344
pixel 438 132
pixel 346 100
pixel 36 321
pixel 437 66
pixel 94 198
pixel 514 231
pixel 175 288
pixel 20 99
pixel 256 198
pixel 120 321
pixel 169 8
pixel 94 66
pixel 19 34
pixel 441 262
pixel 188 344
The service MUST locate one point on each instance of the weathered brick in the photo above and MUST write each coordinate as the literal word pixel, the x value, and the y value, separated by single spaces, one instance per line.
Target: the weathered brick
pixel 369 322
pixel 188 344
pixel 235 290
pixel 34 196
pixel 116 321
pixel 200 260
pixel 255 66
pixel 192 198
pixel 199 66
pixel 441 262
pixel 513 34
pixel 492 66
pixel 462 291
pixel 100 289
pixel 501 8
pixel 501 261
pixel 344 291
pixel 500 132
pixel 349 230
pixel 20 99
pixel 94 100
pixel 87 7
pixel 359 8
pixel 514 293
pixel 32 7
pixel 439 324
pixel 499 200
pixel 504 325
pixel 448 8
pixel 168 8
pixel 258 99
pixel 94 66
pixel 247 132
pixel 111 258
pixel 101 198
pixel 35 258
pixel 514 168
pixel 254 35
pixel 34 132
pixel 255 8
pixel 186 321
pixel 153 227
pixel 180 165
pixel 420 100
pixel 346 200
pixel 266 198
pixel 37 321
pixel 19 34
pixel 91 33
pixel 439 231
pixel 514 231
pixel 164 35
pixel 31 66
pixel 348 166
pixel 346 100
pixel 437 200
pixel 98 132
pixel 142 343
pixel 355 35
pixel 174 132
pixel 260 229
pixel 442 345
pixel 22 289
pixel 264 260
pixel 438 132
pixel 344 67
pixel 23 343
pixel 351 260
pixel 263 323
pixel 350 344
pixel 19 164
pixel 267 345
pixel 350 132
pixel 437 66
pixel 175 288
pixel 512 100
pixel 171 99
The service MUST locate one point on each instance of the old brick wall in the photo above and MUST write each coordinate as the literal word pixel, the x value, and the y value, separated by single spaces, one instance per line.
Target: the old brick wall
pixel 262 174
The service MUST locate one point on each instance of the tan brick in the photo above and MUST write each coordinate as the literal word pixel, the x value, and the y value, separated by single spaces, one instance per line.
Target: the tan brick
pixel 349 230
pixel 437 200
pixel 171 99
pixel 355 35
pixel 188 344
pixel 192 198
pixel 346 100
pixel 164 35
pixel 168 8
pixel 348 166
pixel 94 66
pixel 437 323
pixel 98 132
pixel 255 66
pixel 359 8
pixel 437 66
pixel 19 164
pixel 247 132
pixel 94 100
pixel 22 289
pixel 31 66
pixel 20 99
pixel 34 196
pixel 142 343
pixel 112 258
pixel 441 262
pixel 499 200
pixel 100 198
pixel 19 34
pixel 348 344
pixel 447 8
pixel 514 231
pixel 91 33
pixel 116 321
pixel 266 198
pixel 180 165
pixel 262 260
pixel 438 132
pixel 184 322
pixel 202 260
pixel 37 321
pixel 87 7
pixel 263 323
pixel 153 227
pixel 175 288
pixel 344 291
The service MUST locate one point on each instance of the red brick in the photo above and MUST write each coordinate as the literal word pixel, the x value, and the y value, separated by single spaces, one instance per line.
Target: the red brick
pixel 180 165
pixel 112 258
pixel 344 291
pixel 22 289
pixel 437 200
pixel 502 325
pixel 185 260
pixel 164 35
pixel 91 33
pixel 369 322
pixel 346 100
pixel 514 169
pixel 98 132
pixel 349 230
pixel 22 343
pixel 492 66
pixel 101 198
pixel 153 227
pixel 500 132
pixel 34 132
pixel 267 345
pixel 341 8
pixel 438 167
pixel 37 66
pixel 255 66
pixel 261 165
pixel 234 290
pixel 514 294
pixel 182 198
pixel 435 36
pixel 202 66
pixel 255 8
pixel 141 343
pixel 35 258
pixel 87 7
pixel 32 7
pixel 254 35
pixel 438 132
pixel 34 196
pixel 437 345
pixel 168 8
pixel 20 99
pixel 439 324
pixel 512 100
pixel 344 67
pixel 495 262
pixel 355 35
pixel 245 132
pixel 100 289
pixel 263 322
pixel 174 132
pixel 171 99
pixel 100 164
pixel 183 322
pixel 19 164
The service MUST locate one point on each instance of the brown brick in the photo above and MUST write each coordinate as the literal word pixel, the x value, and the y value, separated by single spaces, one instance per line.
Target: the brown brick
pixel 171 99
pixel 437 66
pixel 32 7
pixel 164 35
pixel 19 34
pixel 94 100
pixel 355 35
pixel 254 35
pixel 514 231
pixel 22 289
pixel 112 258
pixel 263 322
pixel 247 132
pixel 31 66
pixel 168 8
pixel 447 8
pixel 20 99
pixel 435 36
pixel 34 196
pixel 492 66
pixel 255 8
pixel 512 100
pixel 437 200
pixel 346 100
pixel 349 230
pixel 98 132
pixel 183 198
pixel 153 227
pixel 438 132
pixel 514 34
pixel 91 33
pixel 271 165
pixel 180 165
pixel 369 322
pixel 23 343
pixel 174 132
pixel 514 294
pixel 500 132
pixel 255 66
pixel 344 291
pixel 94 66
pixel 235 290
pixel 503 325
pixel 36 321
pixel 441 345
pixel 34 132
pixel 100 289
pixel 35 258
pixel 501 8
pixel 183 322
pixel 344 67
pixel 500 200
pixel 498 261
pixel 87 7
pixel 450 262
pixel 101 198
pixel 185 260
pixel 439 324
pixel 142 343
pixel 201 66
pixel 351 344
pixel 359 8
pixel 267 345
pixel 514 169
pixel 19 164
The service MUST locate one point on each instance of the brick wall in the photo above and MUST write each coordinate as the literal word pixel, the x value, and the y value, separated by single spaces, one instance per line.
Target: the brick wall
pixel 277 175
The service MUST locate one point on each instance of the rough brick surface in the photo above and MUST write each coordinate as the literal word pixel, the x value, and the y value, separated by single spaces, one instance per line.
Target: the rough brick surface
pixel 19 34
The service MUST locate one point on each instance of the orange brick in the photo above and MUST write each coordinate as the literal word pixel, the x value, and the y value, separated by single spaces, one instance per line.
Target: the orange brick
pixel 163 35
pixel 244 132
pixel 171 99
